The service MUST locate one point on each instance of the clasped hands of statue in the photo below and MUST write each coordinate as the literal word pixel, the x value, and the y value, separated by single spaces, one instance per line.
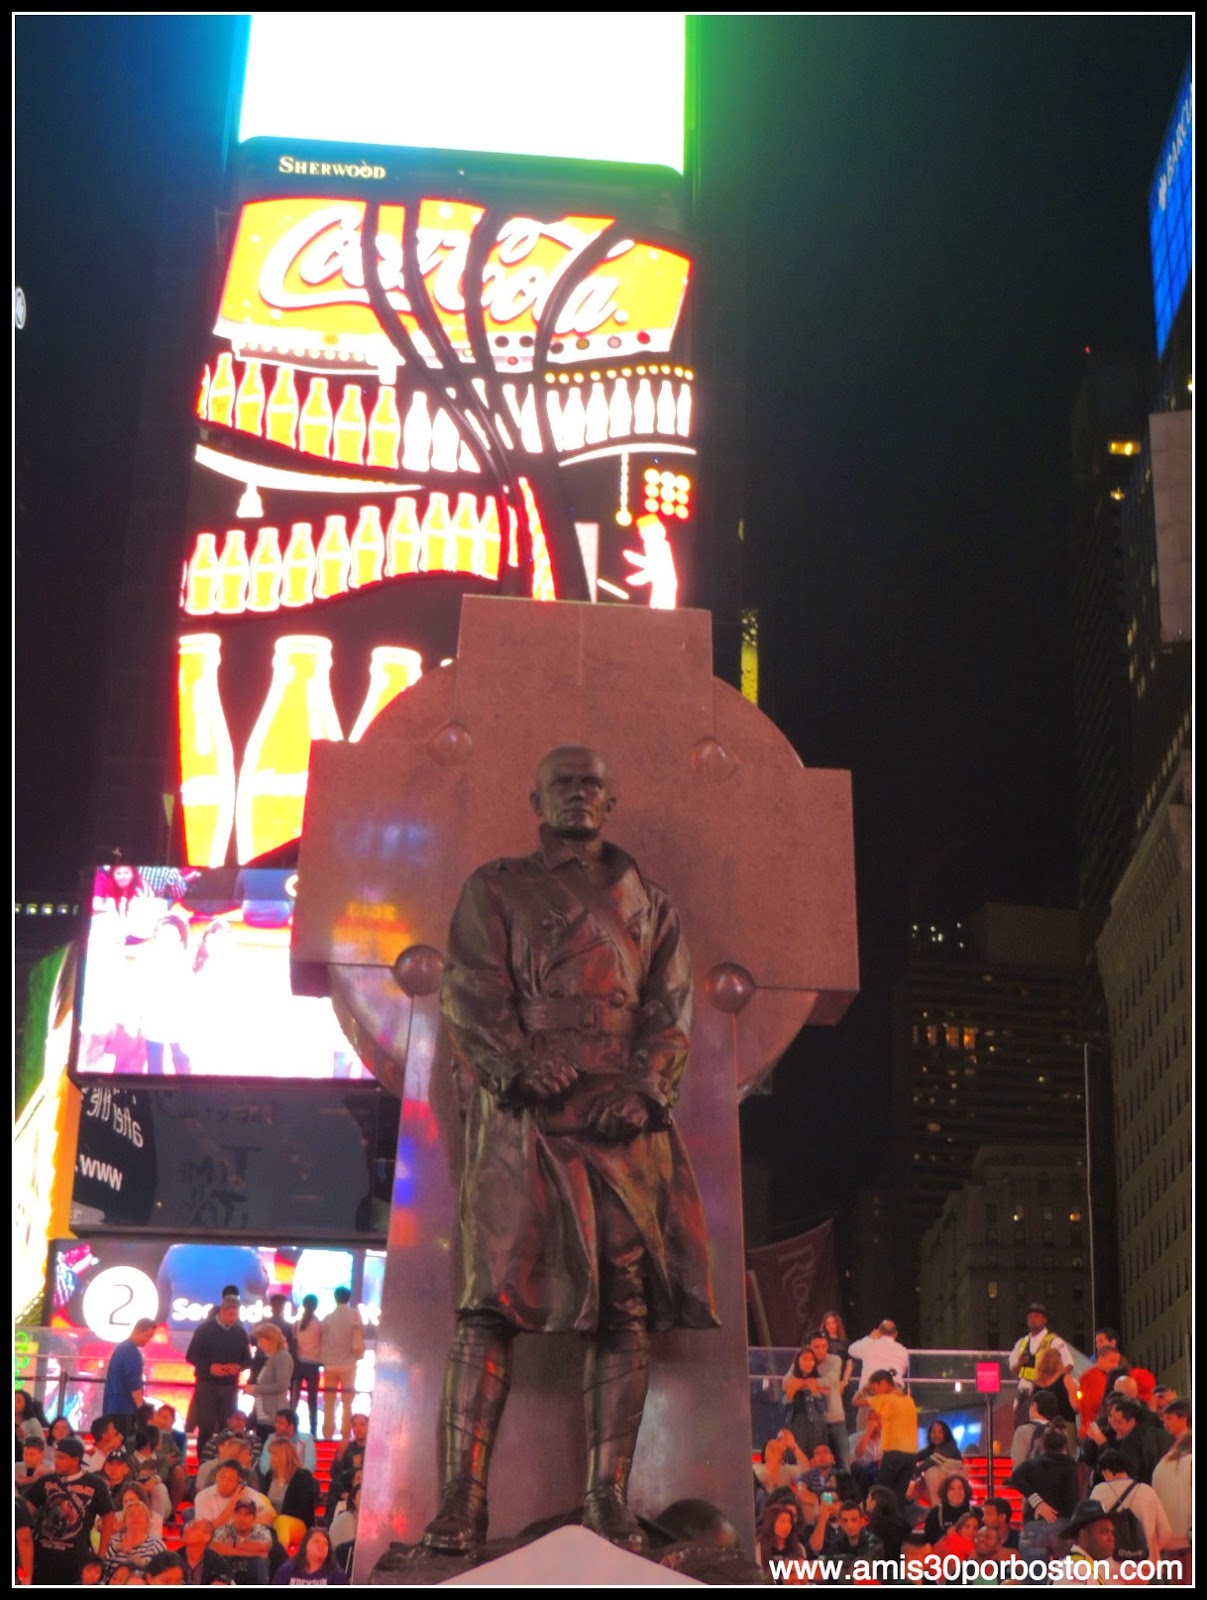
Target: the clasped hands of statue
pixel 545 1076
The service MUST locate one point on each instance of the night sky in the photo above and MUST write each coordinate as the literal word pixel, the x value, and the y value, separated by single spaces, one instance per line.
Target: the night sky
pixel 936 216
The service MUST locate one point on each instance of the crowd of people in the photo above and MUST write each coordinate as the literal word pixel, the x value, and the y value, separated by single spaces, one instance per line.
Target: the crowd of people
pixel 100 1508
pixel 1101 1465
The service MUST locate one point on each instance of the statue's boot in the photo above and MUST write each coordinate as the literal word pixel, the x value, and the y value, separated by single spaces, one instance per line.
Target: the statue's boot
pixel 614 1390
pixel 476 1382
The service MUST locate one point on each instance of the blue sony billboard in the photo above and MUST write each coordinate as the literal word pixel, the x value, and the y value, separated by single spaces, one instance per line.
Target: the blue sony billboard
pixel 1169 213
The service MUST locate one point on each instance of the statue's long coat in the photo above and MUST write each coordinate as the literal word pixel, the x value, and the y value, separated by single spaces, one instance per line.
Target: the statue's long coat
pixel 521 935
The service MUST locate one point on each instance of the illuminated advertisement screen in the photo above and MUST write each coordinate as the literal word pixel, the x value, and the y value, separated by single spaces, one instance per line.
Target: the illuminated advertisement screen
pixel 555 83
pixel 186 975
pixel 96 1290
pixel 408 397
pixel 1169 214
pixel 222 1158
pixel 103 1286
pixel 44 1129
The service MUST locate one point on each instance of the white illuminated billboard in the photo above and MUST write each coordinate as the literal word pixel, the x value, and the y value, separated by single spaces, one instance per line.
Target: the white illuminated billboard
pixel 186 974
pixel 591 85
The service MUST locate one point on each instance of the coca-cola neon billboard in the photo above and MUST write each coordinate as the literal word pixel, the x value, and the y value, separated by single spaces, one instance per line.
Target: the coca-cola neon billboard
pixel 404 399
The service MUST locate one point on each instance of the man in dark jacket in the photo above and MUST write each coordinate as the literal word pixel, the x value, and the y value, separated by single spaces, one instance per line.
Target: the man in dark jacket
pixel 850 1541
pixel 1048 1484
pixel 567 997
pixel 1139 1441
pixel 201 1564
pixel 219 1353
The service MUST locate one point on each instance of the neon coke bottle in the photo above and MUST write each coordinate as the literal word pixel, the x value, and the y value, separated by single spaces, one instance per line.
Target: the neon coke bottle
pixel 297 582
pixel 264 582
pixel 207 760
pixel 298 711
pixel 391 670
pixel 350 427
pixel 403 538
pixel 331 559
pixel 283 408
pixel 249 402
pixel 368 549
pixel 317 420
pixel 222 390
pixel 385 429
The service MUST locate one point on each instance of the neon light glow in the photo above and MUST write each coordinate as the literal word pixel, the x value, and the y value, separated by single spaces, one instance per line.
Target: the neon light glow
pixel 286 568
pixel 284 477
pixel 1170 213
pixel 654 564
pixel 341 77
pixel 347 447
pixel 295 287
pixel 174 987
pixel 313 428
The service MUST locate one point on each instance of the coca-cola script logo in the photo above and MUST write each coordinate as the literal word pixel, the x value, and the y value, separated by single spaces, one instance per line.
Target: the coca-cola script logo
pixel 297 279
pixel 323 251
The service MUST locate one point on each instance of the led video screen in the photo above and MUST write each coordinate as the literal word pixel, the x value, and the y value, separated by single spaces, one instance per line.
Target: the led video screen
pixel 98 1288
pixel 103 1286
pixel 186 975
pixel 213 1158
pixel 556 83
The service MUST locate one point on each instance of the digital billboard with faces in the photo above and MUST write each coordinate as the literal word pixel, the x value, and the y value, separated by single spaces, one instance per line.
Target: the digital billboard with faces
pixel 186 975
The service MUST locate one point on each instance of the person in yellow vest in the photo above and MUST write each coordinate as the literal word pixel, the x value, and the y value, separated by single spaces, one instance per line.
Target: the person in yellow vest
pixel 1024 1358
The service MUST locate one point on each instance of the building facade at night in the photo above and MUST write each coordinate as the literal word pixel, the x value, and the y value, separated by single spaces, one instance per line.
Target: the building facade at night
pixel 1144 955
pixel 1131 570
pixel 989 1040
pixel 1014 1233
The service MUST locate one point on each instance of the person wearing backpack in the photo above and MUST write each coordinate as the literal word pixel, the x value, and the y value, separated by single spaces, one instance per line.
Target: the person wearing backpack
pixel 1141 1526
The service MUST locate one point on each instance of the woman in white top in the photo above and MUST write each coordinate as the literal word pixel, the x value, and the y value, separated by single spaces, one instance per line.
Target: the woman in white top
pixel 308 1337
pixel 1172 1478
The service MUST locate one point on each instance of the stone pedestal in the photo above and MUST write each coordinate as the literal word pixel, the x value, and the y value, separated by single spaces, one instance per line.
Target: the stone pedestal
pixel 755 851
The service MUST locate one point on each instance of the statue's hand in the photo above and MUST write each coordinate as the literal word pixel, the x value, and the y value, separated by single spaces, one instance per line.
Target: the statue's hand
pixel 545 1077
pixel 621 1116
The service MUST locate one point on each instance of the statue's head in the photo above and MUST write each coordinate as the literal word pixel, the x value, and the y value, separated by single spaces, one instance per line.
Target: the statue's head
pixel 573 793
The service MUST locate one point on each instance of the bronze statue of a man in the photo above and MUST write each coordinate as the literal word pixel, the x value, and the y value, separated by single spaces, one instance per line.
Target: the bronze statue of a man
pixel 567 997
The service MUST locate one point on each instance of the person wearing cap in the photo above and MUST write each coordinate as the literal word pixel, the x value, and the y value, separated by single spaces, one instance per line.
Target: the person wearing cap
pixel 243 1543
pixel 117 1473
pixel 68 1504
pixel 219 1353
pixel 1024 1358
pixel 881 1351
pixel 1092 1558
